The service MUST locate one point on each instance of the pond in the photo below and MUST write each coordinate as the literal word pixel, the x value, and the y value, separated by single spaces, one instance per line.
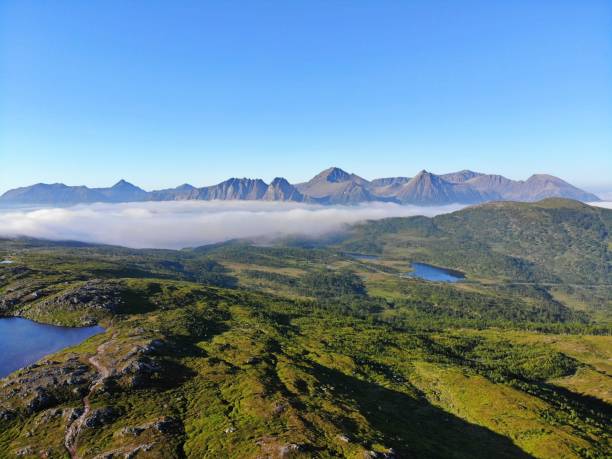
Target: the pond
pixel 23 342
pixel 5 262
pixel 433 273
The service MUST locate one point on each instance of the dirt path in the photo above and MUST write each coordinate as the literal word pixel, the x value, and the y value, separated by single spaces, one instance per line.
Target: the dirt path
pixel 73 431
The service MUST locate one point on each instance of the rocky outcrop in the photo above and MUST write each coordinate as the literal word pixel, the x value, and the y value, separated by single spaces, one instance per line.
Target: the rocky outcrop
pixel 235 189
pixel 92 300
pixel 101 416
pixel 93 294
pixel 43 385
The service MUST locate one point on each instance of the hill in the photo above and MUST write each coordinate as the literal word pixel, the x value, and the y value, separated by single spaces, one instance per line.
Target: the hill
pixel 554 240
pixel 237 350
pixel 199 359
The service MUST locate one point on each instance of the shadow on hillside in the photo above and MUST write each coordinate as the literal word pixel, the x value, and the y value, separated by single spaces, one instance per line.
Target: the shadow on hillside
pixel 413 427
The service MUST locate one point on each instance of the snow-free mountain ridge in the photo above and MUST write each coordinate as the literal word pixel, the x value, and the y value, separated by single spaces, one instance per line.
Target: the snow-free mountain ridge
pixel 331 186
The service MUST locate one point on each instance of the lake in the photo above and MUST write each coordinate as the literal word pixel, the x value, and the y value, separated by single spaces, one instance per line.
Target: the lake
pixel 23 342
pixel 433 273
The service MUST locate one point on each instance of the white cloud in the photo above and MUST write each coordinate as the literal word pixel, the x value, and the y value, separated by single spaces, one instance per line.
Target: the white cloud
pixel 604 204
pixel 180 224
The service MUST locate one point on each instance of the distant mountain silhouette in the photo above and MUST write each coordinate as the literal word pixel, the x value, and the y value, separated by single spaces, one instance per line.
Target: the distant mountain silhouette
pixel 429 189
pixel 123 191
pixel 331 186
pixel 335 186
pixel 461 176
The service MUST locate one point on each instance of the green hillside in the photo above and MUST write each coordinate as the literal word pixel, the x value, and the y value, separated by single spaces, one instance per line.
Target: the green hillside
pixel 554 240
pixel 242 351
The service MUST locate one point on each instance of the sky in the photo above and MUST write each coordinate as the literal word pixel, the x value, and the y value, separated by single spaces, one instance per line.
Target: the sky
pixel 163 93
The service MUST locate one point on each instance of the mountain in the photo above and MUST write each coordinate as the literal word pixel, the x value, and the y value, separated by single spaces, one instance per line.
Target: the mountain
pixel 122 191
pixel 541 186
pixel 55 193
pixel 461 176
pixel 335 186
pixel 331 186
pixel 235 189
pixel 429 189
pixel 387 187
pixel 59 194
pixel 554 240
pixel 281 190
pixel 180 193
pixel 493 186
pixel 535 188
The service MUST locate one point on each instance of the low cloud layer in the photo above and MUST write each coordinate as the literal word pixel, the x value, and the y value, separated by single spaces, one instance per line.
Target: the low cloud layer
pixel 604 204
pixel 181 224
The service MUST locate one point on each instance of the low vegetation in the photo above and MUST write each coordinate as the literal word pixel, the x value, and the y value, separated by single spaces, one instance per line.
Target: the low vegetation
pixel 242 351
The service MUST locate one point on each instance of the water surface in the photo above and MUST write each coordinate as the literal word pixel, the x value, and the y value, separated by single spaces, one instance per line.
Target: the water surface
pixel 23 342
pixel 433 273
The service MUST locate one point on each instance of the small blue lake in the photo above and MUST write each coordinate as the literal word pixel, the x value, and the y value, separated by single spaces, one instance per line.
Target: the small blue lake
pixel 23 342
pixel 433 273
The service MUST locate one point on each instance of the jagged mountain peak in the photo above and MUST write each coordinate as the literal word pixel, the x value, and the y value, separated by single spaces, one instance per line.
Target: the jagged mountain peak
pixel 331 186
pixel 334 175
pixel 280 181
pixel 426 176
pixel 281 190
pixel 124 184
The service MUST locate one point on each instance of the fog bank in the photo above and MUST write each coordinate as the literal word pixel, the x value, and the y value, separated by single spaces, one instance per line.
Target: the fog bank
pixel 604 204
pixel 179 224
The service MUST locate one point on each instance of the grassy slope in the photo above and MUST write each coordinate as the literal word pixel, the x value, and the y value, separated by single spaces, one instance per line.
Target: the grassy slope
pixel 558 245
pixel 248 374
pixel 281 352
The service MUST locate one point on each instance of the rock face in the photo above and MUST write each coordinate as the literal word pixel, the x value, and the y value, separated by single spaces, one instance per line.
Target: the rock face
pixel 332 186
pixel 281 190
pixel 461 176
pixel 389 181
pixel 235 189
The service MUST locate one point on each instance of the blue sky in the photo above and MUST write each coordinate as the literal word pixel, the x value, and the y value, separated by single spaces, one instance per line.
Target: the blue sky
pixel 162 93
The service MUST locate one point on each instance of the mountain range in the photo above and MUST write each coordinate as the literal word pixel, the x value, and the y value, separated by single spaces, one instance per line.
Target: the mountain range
pixel 331 186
